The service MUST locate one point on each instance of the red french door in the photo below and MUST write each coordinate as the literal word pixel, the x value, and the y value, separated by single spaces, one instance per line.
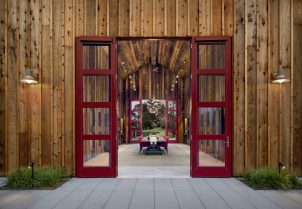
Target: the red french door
pixel 135 120
pixel 171 120
pixel 96 143
pixel 211 107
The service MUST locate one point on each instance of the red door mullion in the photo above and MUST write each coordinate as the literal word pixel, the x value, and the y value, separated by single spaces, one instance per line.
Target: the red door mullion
pixel 86 72
pixel 211 104
pixel 211 72
pixel 96 137
pixel 211 38
pixel 96 104
pixel 211 136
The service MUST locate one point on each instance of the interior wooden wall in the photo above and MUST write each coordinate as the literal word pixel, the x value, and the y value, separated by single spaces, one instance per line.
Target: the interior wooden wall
pixel 37 121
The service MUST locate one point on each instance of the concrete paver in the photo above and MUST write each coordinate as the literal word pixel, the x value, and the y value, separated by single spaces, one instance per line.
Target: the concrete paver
pixel 152 193
pixel 142 199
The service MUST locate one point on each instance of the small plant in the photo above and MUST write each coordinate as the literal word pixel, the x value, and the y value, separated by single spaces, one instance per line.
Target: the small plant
pixel 270 178
pixel 44 177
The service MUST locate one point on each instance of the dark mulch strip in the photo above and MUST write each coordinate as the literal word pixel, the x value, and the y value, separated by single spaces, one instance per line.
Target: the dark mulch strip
pixel 5 187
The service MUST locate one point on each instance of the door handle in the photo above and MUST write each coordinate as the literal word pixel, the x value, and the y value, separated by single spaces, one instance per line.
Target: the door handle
pixel 227 141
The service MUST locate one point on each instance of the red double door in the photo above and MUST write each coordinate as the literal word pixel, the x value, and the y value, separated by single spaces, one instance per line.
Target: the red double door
pixel 96 122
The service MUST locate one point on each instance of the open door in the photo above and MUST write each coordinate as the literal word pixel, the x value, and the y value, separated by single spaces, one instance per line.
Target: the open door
pixel 135 120
pixel 171 120
pixel 96 142
pixel 211 107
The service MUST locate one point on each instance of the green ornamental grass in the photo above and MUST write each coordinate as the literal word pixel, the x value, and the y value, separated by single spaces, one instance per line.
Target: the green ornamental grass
pixel 269 178
pixel 44 177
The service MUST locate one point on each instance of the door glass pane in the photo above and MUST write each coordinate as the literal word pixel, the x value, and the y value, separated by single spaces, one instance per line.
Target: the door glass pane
pixel 96 121
pixel 96 153
pixel 96 57
pixel 211 56
pixel 211 120
pixel 172 136
pixel 211 153
pixel 135 105
pixel 96 88
pixel 135 135
pixel 211 88
pixel 172 115
pixel 171 125
pixel 135 116
pixel 171 105
pixel 135 125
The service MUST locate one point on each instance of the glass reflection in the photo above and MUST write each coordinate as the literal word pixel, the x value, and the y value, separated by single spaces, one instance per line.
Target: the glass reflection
pixel 135 105
pixel 211 120
pixel 172 105
pixel 211 56
pixel 211 88
pixel 96 57
pixel 172 115
pixel 211 153
pixel 96 153
pixel 172 136
pixel 135 135
pixel 96 121
pixel 96 88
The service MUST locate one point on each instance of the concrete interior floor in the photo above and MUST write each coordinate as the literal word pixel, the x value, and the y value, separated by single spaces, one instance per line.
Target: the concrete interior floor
pixel 175 164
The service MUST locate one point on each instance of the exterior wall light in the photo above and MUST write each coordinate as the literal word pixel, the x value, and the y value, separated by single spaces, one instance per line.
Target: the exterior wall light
pixel 29 77
pixel 280 77
pixel 280 166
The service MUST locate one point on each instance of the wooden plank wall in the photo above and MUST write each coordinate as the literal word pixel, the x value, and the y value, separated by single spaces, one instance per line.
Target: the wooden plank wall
pixel 37 122
pixel 296 112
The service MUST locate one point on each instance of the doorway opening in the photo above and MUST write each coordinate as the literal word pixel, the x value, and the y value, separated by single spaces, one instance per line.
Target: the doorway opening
pixel 153 96
pixel 147 97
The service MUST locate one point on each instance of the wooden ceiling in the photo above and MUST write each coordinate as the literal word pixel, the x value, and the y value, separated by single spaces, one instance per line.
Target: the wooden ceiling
pixel 173 55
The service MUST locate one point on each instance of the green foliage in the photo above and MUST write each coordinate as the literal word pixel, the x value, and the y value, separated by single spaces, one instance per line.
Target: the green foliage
pixel 269 178
pixel 158 131
pixel 44 177
pixel 153 114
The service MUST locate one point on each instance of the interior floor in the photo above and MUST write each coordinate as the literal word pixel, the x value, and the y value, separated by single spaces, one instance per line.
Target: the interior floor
pixel 132 164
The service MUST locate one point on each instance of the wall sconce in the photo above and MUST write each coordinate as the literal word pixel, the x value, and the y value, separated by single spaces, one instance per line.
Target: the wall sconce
pixel 280 77
pixel 29 77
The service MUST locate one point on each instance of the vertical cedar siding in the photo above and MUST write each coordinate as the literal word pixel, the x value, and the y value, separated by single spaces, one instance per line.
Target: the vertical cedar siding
pixel 37 122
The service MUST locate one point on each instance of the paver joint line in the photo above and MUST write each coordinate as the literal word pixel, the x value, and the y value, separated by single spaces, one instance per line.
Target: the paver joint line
pixel 111 194
pixel 220 190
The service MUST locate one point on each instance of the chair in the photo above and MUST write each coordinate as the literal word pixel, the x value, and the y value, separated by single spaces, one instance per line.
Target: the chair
pixel 142 148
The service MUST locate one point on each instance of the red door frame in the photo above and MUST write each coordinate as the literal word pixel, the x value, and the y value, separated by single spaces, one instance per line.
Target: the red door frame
pixel 112 170
pixel 197 171
pixel 82 171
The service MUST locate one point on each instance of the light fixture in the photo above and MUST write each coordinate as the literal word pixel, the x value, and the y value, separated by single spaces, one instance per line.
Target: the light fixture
pixel 29 77
pixel 31 166
pixel 280 166
pixel 280 77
